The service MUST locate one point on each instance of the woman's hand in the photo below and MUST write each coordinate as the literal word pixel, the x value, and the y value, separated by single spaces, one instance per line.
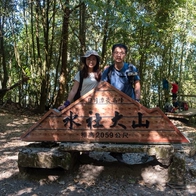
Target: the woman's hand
pixel 67 103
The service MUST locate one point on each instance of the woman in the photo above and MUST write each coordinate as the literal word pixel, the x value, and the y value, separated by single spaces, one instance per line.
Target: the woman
pixel 91 76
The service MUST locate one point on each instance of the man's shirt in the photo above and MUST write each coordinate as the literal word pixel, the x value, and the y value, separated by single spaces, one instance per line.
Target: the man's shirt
pixel 174 88
pixel 120 80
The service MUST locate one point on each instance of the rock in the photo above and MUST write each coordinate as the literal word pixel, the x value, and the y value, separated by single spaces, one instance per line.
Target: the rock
pixel 192 170
pixel 177 169
pixel 36 157
pixel 163 153
pixel 189 149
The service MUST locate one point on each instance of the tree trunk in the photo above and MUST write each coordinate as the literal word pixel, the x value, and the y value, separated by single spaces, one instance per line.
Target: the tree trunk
pixel 5 77
pixel 105 32
pixel 82 34
pixel 63 76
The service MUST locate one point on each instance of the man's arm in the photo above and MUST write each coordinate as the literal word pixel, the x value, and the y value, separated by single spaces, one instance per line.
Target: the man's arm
pixel 137 90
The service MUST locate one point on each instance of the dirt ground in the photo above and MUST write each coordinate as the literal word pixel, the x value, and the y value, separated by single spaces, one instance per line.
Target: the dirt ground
pixel 87 178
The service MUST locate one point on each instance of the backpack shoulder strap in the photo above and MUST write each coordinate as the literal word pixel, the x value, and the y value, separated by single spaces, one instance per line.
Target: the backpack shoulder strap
pixel 109 72
pixel 81 81
pixel 77 95
pixel 130 67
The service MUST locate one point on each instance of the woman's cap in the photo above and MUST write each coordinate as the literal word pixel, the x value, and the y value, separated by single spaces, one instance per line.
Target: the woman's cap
pixel 89 53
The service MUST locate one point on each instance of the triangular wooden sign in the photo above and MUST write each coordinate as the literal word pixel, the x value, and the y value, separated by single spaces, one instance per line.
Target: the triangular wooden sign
pixel 105 114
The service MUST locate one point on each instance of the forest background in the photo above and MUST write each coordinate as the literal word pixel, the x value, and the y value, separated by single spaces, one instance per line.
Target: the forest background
pixel 41 43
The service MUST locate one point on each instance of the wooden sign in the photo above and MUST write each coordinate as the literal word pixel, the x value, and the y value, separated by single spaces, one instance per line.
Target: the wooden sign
pixel 105 114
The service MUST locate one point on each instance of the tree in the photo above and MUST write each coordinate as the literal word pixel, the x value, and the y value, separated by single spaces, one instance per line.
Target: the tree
pixel 45 39
pixel 3 68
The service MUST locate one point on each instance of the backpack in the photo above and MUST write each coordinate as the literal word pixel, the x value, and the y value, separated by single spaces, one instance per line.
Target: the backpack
pixel 130 73
pixel 77 95
pixel 185 105
pixel 168 107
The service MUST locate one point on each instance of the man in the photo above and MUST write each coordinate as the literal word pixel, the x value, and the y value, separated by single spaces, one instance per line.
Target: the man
pixel 122 75
pixel 174 90
pixel 166 89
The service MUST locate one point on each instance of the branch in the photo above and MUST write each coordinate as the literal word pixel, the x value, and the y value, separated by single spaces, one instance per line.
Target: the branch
pixel 24 79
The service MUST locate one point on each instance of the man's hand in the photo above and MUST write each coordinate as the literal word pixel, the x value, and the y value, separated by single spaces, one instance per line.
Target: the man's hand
pixel 105 67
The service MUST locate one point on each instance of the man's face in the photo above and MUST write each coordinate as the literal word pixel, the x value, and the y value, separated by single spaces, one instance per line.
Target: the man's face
pixel 119 55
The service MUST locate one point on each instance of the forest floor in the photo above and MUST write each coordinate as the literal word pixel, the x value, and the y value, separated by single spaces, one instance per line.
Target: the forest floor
pixel 87 179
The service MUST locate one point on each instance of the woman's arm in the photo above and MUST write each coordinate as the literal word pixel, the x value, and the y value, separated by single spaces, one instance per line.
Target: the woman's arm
pixel 73 91
pixel 70 96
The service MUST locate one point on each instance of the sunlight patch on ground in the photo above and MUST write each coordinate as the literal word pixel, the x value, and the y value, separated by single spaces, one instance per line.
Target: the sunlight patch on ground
pixel 88 175
pixel 191 188
pixel 14 158
pixel 24 191
pixel 21 121
pixel 6 174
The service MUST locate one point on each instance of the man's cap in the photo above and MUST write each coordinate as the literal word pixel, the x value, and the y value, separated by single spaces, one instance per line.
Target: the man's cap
pixel 89 53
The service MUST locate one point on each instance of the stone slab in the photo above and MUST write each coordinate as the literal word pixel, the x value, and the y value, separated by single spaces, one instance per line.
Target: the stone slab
pixel 163 153
pixel 32 157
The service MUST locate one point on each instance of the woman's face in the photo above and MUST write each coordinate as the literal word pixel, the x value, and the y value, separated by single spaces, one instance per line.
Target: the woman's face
pixel 91 61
